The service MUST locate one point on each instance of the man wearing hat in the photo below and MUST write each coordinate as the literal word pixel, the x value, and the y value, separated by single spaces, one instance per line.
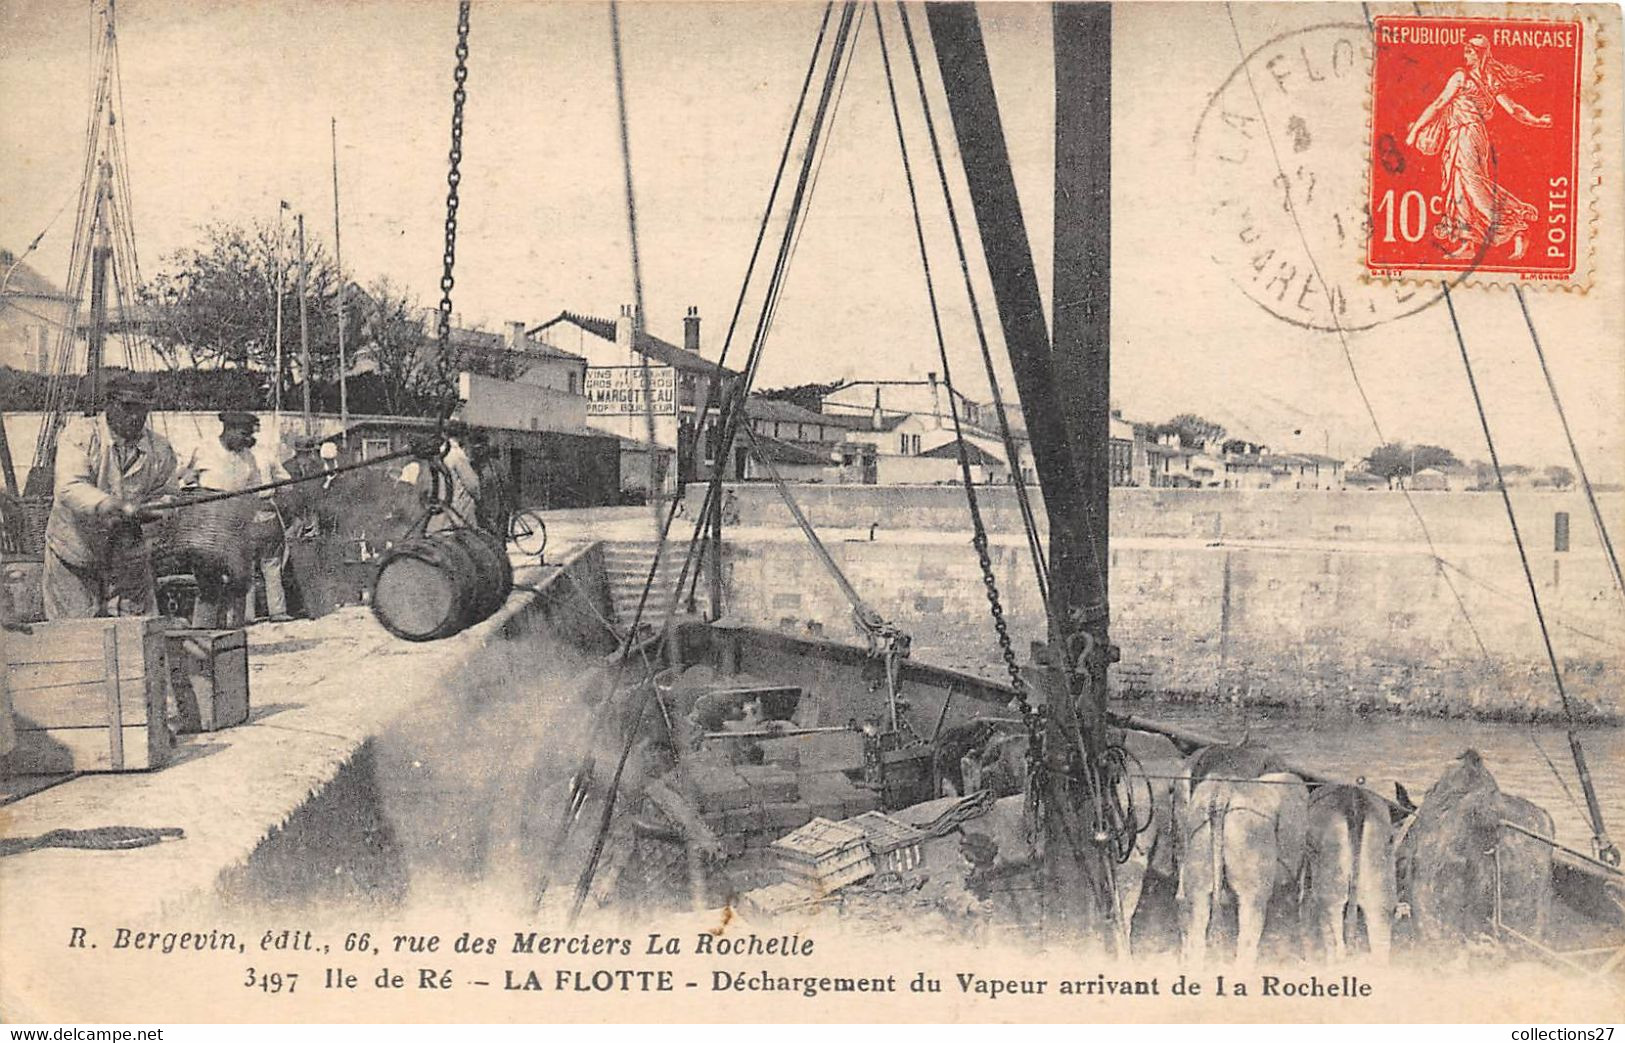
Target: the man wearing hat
pixel 228 465
pixel 107 468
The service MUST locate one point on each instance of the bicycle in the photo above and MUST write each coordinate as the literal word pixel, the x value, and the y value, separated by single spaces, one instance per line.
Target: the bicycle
pixel 528 532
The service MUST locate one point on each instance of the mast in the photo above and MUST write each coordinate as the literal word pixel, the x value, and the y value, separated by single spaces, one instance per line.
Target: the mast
pixel 1081 323
pixel 304 325
pixel 1078 868
pixel 101 252
pixel 338 265
pixel 281 287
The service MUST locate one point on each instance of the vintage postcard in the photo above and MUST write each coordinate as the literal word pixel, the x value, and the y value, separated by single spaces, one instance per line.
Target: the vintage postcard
pixel 811 512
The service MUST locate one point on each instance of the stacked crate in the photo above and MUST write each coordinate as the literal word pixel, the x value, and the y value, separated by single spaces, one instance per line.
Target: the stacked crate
pixel 897 847
pixel 752 805
pixel 823 856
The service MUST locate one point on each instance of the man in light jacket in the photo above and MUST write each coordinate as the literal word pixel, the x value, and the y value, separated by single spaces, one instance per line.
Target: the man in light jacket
pixel 107 468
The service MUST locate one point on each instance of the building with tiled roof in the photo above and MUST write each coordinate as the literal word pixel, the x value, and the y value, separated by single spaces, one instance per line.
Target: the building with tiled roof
pixel 615 354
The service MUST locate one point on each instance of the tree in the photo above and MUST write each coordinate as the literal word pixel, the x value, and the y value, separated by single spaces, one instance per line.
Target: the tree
pixel 1195 430
pixel 1559 476
pixel 396 341
pixel 214 306
pixel 1397 460
pixel 405 353
pixel 807 396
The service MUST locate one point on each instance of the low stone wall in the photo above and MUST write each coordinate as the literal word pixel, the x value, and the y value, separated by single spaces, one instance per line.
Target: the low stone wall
pixel 1204 514
pixel 1335 626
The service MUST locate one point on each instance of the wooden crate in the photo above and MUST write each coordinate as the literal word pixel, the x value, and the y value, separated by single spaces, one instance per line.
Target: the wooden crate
pixel 88 695
pixel 897 847
pixel 208 676
pixel 823 856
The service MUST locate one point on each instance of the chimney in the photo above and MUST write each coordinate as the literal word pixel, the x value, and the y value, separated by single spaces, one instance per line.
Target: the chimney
pixel 623 333
pixel 691 329
pixel 876 417
pixel 936 400
pixel 516 335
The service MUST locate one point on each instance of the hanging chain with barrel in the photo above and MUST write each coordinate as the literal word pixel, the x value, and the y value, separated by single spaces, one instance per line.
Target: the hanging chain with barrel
pixel 459 95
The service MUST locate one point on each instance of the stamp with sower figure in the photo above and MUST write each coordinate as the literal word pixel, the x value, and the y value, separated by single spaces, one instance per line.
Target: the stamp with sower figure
pixel 1475 148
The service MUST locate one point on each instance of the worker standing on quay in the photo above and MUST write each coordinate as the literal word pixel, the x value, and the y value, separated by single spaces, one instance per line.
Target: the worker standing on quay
pixel 270 536
pixel 225 465
pixel 495 506
pixel 107 468
pixel 454 506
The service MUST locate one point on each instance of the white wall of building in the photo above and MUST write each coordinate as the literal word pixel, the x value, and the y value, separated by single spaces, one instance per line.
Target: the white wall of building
pixel 488 402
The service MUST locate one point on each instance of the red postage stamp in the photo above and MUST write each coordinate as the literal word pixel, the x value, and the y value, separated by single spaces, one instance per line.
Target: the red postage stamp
pixel 1475 147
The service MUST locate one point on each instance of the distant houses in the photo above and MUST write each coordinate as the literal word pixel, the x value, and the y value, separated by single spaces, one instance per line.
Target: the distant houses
pixel 902 433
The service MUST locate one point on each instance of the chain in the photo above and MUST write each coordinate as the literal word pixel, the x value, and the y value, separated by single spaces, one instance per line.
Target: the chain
pixel 453 177
pixel 996 607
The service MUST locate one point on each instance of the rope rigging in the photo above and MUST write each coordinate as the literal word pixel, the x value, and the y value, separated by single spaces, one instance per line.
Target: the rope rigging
pixel 1348 354
pixel 712 392
pixel 979 538
pixel 732 416
pixel 733 409
pixel 1604 847
pixel 1601 844
pixel 103 232
pixel 1574 450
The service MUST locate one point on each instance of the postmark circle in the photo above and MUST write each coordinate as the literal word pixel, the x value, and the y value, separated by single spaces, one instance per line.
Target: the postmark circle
pixel 1281 152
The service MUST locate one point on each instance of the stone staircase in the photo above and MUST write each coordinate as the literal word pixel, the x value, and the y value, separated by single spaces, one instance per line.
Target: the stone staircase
pixel 626 567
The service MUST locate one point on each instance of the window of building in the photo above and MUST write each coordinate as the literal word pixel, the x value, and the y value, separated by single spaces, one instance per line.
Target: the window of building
pixel 572 382
pixel 372 448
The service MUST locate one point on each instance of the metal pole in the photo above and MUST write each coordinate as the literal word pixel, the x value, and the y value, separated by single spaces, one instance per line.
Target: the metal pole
pixel 304 325
pixel 1077 868
pixel 338 263
pixel 281 287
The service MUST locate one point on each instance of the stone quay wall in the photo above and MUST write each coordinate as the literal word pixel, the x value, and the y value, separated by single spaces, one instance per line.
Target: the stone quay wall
pixel 1311 600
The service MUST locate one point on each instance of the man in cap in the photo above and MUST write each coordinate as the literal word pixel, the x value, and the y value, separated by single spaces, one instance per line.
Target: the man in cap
pixel 495 506
pixel 228 465
pixel 107 468
pixel 304 504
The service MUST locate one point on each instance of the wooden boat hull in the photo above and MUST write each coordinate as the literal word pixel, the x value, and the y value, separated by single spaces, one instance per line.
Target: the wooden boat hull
pixel 840 679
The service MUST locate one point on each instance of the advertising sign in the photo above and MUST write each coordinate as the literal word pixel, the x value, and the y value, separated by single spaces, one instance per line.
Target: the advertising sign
pixel 619 391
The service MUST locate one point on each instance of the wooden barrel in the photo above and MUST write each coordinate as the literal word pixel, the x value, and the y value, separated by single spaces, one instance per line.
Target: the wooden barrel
pixel 494 574
pixel 436 585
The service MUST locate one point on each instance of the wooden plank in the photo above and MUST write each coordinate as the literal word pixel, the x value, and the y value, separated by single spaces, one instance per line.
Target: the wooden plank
pixel 82 705
pixel 60 750
pixel 79 640
pixel 115 735
pixel 50 676
pixel 54 686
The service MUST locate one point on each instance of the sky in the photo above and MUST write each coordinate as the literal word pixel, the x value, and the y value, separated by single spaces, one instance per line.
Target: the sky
pixel 227 109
